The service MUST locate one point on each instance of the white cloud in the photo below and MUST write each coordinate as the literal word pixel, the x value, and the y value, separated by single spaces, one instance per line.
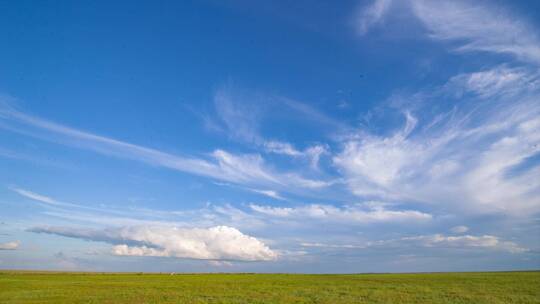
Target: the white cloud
pixel 474 25
pixel 48 130
pixel 459 229
pixel 35 196
pixel 348 214
pixel 314 153
pixel 269 193
pixel 251 169
pixel 58 205
pixel 370 15
pixel 215 243
pixel 462 158
pixel 240 111
pixel 463 241
pixel 338 246
pixel 281 148
pixel 9 245
pixel 489 242
pixel 304 111
pixel 497 82
pixel 478 27
pixel 246 169
pixel 373 163
pixel 211 215
pixel 272 211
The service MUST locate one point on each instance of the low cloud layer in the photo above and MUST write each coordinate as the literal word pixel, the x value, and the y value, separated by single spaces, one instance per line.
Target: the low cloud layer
pixel 462 241
pixel 216 243
pixel 483 242
pixel 360 213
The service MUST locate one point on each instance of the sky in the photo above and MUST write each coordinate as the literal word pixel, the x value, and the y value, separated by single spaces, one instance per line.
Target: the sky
pixel 257 136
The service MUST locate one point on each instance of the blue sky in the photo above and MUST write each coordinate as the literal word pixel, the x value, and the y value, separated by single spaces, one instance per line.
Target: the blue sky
pixel 359 136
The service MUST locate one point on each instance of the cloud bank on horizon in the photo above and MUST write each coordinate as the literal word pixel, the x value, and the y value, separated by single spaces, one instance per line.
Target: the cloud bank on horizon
pixel 336 176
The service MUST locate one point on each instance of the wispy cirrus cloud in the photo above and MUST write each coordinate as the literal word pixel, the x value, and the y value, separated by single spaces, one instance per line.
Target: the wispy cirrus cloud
pixel 371 15
pixel 247 169
pixel 269 193
pixel 242 111
pixel 500 81
pixel 461 143
pixel 477 26
pixel 35 196
pixel 471 25
pixel 463 154
pixel 251 217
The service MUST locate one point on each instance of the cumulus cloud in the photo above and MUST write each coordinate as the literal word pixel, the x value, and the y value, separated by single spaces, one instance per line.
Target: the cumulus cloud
pixel 215 243
pixel 9 245
pixel 351 213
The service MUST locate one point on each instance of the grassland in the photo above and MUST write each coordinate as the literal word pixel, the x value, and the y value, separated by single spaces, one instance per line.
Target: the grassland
pixel 48 287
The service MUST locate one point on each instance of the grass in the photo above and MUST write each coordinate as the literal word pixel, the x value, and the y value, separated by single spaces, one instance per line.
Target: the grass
pixel 57 287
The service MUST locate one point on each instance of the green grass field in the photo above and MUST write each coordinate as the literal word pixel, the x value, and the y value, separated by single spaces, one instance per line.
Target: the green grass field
pixel 50 287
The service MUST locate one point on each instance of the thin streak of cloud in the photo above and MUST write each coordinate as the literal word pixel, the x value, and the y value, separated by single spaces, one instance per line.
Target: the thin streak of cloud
pixel 481 242
pixel 352 214
pixel 35 196
pixel 221 165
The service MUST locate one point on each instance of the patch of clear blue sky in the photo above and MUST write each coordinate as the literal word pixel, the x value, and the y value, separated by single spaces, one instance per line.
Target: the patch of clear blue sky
pixel 146 73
